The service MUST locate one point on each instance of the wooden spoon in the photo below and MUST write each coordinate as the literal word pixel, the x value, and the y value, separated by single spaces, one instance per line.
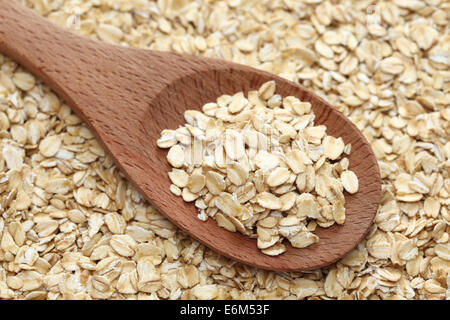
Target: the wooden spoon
pixel 127 96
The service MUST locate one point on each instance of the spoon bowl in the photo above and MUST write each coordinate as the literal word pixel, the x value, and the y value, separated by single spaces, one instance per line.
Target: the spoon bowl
pixel 127 96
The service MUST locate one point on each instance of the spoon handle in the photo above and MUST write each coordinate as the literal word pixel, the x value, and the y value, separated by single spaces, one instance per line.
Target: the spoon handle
pixel 65 60
pixel 81 71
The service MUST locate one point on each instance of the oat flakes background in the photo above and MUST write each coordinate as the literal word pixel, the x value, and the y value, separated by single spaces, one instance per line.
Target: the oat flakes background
pixel 71 227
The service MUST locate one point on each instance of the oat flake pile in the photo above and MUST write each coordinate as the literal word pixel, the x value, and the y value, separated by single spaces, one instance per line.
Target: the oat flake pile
pixel 261 167
pixel 71 226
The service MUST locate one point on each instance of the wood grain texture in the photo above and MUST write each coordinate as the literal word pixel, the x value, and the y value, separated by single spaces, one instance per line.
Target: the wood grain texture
pixel 127 96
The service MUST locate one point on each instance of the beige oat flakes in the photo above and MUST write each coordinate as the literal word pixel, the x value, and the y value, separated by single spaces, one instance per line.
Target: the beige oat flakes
pixel 405 116
pixel 263 151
